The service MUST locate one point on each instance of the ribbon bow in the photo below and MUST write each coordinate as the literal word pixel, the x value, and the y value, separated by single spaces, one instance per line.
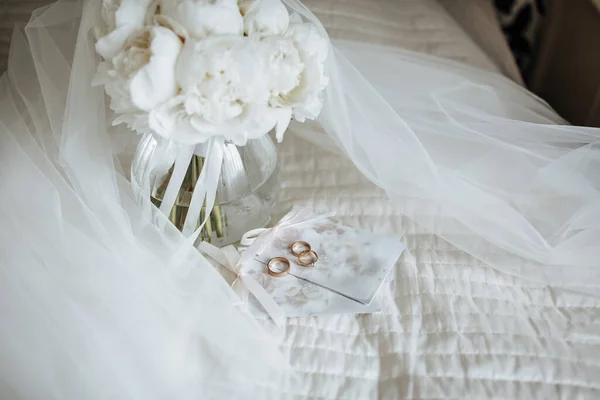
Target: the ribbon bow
pixel 229 258
pixel 298 215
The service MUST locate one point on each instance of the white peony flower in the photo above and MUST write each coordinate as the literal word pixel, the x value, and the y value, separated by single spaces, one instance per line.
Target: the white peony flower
pixel 122 19
pixel 283 68
pixel 217 75
pixel 223 92
pixel 305 99
pixel 173 121
pixel 282 64
pixel 220 83
pixel 153 57
pixel 120 99
pixel 264 17
pixel 202 18
pixel 142 75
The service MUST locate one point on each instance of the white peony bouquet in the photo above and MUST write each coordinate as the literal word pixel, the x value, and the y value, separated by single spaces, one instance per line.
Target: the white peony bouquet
pixel 190 70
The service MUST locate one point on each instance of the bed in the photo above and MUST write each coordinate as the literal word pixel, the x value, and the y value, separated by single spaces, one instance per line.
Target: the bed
pixel 452 327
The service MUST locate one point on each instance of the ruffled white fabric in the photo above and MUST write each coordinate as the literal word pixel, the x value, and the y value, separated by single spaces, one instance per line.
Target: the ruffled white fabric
pixel 100 298
pixel 468 154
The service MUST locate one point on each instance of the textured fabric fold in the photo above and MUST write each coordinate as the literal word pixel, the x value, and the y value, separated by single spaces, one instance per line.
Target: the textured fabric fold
pixel 469 155
pixel 98 300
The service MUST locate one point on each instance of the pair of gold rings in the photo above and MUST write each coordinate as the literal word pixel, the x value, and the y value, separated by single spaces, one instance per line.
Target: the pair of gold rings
pixel 280 266
pixel 306 256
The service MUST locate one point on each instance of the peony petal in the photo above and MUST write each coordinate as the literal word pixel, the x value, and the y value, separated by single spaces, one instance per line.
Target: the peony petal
pixel 163 119
pixel 186 133
pixel 202 18
pixel 132 12
pixel 169 23
pixel 257 120
pixel 265 17
pixel 110 45
pixel 201 125
pixel 155 82
pixel 283 118
pixel 208 57
pixel 282 63
pixel 296 18
pixel 305 99
pixel 129 18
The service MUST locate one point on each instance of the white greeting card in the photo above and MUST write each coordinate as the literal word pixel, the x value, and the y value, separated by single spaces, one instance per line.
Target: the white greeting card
pixel 353 264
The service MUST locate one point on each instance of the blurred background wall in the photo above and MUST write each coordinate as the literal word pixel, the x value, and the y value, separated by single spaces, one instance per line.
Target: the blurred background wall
pixel 556 45
pixel 521 21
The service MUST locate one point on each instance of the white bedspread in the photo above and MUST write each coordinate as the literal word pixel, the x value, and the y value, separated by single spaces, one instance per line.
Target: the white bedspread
pixel 451 327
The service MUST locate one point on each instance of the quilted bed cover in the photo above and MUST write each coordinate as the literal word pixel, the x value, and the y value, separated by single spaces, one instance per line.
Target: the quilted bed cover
pixel 452 327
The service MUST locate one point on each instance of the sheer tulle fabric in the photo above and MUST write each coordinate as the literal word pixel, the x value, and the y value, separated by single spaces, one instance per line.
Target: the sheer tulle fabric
pixel 96 301
pixel 473 157
pixel 100 301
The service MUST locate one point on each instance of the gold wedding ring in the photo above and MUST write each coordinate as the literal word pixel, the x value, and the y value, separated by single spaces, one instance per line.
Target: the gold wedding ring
pixel 299 247
pixel 308 258
pixel 278 272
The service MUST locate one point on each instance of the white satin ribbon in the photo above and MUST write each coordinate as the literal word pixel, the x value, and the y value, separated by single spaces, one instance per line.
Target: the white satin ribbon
pixel 229 258
pixel 298 215
pixel 182 163
pixel 206 188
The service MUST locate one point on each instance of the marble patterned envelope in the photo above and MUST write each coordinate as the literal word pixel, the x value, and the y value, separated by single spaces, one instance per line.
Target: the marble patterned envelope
pixel 352 262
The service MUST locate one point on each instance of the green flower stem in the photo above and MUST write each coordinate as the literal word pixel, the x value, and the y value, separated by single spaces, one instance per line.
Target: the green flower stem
pixel 217 220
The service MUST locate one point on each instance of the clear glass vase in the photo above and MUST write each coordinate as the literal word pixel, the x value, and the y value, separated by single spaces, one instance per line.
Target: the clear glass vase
pixel 247 189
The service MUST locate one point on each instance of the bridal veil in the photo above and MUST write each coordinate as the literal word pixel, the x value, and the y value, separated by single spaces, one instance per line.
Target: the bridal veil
pixel 100 302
